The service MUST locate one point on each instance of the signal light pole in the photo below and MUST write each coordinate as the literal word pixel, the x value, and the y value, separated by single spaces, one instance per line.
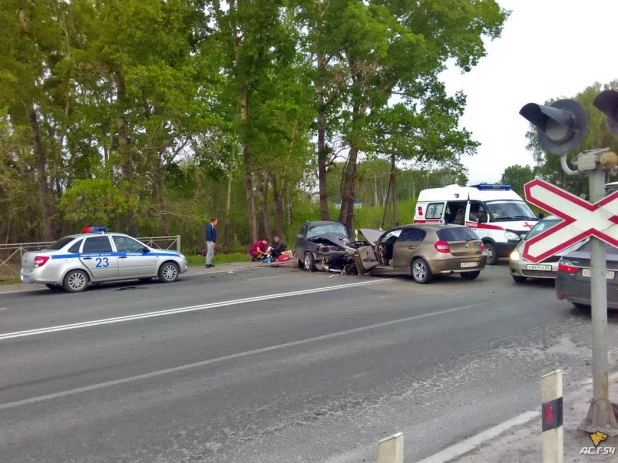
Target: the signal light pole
pixel 561 128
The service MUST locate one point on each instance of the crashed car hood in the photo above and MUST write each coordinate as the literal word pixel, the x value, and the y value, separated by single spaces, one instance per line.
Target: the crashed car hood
pixel 332 238
pixel 371 235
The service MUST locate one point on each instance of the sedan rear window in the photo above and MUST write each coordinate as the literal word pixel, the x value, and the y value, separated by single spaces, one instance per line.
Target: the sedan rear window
pixel 61 243
pixel 457 234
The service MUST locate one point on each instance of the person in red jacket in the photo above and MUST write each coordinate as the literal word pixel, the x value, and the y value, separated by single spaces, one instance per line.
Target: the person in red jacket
pixel 259 250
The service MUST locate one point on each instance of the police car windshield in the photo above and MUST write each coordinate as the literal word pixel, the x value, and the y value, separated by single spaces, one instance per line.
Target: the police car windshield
pixel 61 243
pixel 542 226
pixel 503 211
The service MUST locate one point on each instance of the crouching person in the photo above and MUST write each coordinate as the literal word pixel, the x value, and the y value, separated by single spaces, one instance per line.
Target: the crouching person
pixel 278 247
pixel 259 250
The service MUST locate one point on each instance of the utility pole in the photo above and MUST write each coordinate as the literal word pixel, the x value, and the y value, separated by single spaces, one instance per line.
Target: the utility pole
pixel 561 128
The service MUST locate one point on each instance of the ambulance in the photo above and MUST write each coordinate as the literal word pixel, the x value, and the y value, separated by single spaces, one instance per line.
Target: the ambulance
pixel 498 215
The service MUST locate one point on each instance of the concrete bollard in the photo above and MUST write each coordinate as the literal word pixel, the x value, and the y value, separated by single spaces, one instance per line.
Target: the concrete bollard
pixel 552 413
pixel 391 449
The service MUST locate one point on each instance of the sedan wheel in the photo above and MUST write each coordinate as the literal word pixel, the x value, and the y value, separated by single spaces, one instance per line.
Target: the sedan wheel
pixel 54 287
pixel 168 273
pixel 470 275
pixel 421 272
pixel 309 262
pixel 75 281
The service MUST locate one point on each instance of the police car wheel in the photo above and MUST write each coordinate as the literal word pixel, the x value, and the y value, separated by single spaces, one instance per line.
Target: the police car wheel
pixel 75 281
pixel 168 272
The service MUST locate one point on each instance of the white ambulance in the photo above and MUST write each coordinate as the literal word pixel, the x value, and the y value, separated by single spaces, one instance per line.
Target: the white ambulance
pixel 500 217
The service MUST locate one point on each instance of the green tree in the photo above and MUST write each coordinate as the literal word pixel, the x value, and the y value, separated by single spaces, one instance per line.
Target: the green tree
pixel 517 176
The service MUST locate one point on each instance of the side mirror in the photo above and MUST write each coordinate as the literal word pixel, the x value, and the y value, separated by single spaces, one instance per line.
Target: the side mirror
pixel 146 249
pixel 541 215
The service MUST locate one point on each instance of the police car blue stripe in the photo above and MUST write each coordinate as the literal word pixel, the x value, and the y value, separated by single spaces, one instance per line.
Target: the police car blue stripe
pixel 113 254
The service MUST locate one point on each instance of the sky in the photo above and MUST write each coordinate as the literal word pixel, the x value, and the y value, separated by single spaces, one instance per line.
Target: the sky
pixel 548 49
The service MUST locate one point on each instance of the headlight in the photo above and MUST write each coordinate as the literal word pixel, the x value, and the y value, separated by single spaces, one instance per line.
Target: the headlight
pixel 511 236
pixel 515 255
pixel 182 256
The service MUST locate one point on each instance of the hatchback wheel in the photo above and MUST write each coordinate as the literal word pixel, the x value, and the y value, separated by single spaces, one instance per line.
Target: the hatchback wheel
pixel 470 275
pixel 168 272
pixel 75 281
pixel 421 272
pixel 519 279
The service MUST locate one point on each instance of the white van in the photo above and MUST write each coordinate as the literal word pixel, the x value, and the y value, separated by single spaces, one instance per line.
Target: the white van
pixel 500 217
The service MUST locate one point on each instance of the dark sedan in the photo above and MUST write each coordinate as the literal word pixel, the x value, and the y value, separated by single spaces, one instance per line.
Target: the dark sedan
pixel 324 245
pixel 573 277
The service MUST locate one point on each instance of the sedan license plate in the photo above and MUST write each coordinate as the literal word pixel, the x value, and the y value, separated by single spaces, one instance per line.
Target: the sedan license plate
pixel 608 274
pixel 543 268
pixel 26 279
pixel 468 264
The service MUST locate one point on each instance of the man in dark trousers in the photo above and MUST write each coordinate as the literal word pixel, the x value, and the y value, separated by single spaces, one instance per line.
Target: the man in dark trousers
pixel 277 248
pixel 211 239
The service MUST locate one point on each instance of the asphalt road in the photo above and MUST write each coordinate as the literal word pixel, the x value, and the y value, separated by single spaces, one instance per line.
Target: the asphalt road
pixel 276 365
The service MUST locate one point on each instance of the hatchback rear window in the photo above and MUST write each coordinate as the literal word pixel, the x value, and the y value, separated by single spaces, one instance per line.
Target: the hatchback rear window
pixel 457 234
pixel 61 243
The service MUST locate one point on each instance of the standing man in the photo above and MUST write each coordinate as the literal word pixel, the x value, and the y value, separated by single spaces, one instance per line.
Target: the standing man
pixel 211 239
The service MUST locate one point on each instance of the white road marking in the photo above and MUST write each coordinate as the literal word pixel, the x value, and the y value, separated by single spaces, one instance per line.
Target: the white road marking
pixel 204 363
pixel 161 313
pixel 188 274
pixel 262 278
pixel 3 308
pixel 470 444
pixel 457 450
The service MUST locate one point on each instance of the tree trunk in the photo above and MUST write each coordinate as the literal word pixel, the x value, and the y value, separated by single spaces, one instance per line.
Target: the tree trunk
pixel 322 154
pixel 41 174
pixel 228 202
pixel 123 145
pixel 277 199
pixel 346 215
pixel 262 187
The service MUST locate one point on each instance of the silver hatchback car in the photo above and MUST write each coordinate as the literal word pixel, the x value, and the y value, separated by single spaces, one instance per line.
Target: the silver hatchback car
pixel 74 261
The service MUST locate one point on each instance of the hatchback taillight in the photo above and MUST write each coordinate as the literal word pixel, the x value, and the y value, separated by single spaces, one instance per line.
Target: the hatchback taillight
pixel 39 261
pixel 442 246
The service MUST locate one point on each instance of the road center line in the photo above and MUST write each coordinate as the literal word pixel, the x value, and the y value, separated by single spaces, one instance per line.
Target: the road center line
pixel 161 313
pixel 204 363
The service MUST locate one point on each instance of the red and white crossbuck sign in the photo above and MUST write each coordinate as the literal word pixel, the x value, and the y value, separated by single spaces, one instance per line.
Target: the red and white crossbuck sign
pixel 580 220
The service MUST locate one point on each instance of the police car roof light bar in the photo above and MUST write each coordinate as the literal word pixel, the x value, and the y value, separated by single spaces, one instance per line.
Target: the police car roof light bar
pixel 492 187
pixel 95 230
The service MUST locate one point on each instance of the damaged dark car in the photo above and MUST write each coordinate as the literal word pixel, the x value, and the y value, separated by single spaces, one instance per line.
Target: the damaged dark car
pixel 325 246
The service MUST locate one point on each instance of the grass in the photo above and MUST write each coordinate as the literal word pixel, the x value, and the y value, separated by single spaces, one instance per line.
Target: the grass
pixel 200 261
pixel 10 281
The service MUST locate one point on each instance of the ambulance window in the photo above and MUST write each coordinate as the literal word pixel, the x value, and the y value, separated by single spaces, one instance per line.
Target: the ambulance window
pixel 434 211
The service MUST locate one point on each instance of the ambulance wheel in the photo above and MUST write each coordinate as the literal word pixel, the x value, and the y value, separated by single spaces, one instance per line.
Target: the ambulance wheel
pixel 492 255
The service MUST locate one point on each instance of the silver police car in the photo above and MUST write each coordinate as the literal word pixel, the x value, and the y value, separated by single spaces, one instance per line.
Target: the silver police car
pixel 94 256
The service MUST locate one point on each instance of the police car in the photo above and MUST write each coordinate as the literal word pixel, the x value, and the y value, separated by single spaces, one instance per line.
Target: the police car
pixel 94 256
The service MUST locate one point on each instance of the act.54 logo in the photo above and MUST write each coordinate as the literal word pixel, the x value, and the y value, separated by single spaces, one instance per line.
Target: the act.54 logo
pixel 596 439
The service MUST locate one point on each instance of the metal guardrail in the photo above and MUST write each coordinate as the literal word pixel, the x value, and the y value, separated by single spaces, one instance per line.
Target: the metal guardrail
pixel 11 254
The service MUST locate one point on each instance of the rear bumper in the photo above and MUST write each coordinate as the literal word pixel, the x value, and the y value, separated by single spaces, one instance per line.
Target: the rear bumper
pixel 40 276
pixel 577 291
pixel 454 264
